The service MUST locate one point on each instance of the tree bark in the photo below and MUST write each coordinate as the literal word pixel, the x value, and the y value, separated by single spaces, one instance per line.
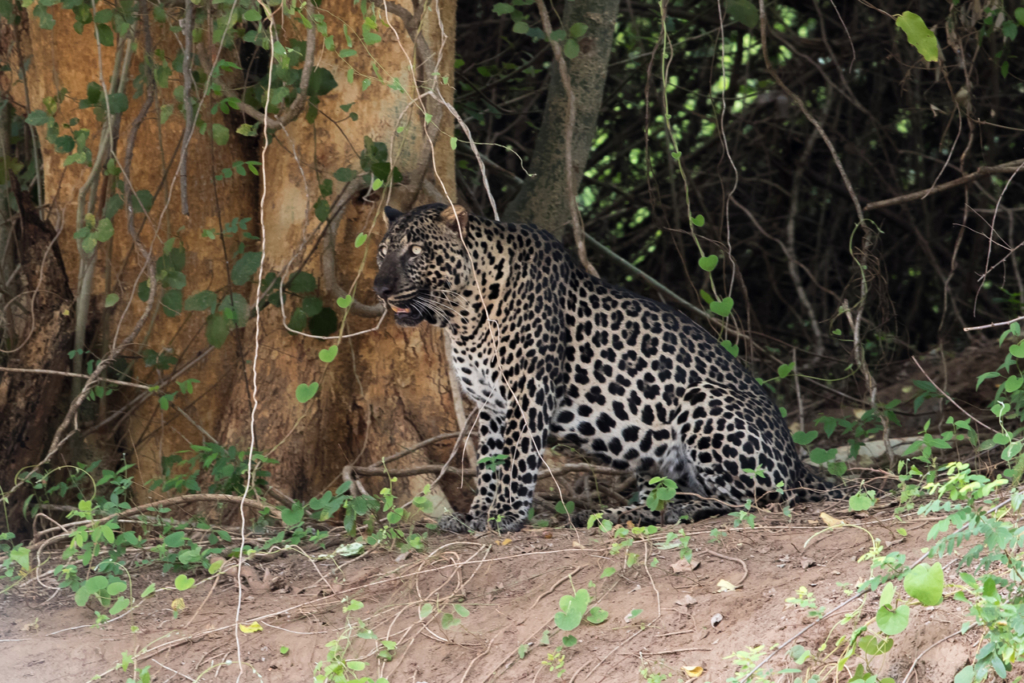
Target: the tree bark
pixel 386 389
pixel 542 198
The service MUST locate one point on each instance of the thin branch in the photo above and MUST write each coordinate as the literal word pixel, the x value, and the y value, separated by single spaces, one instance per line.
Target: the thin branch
pixel 1008 167
pixel 990 325
pixel 34 371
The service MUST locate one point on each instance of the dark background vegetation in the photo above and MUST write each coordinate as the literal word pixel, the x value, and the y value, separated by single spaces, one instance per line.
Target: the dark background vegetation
pixel 767 185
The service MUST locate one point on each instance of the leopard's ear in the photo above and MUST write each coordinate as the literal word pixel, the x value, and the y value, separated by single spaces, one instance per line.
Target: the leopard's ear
pixel 392 214
pixel 455 217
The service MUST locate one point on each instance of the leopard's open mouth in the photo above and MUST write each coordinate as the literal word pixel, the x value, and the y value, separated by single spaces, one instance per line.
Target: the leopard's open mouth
pixel 407 315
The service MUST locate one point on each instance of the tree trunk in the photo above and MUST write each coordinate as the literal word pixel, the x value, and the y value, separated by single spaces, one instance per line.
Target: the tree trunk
pixel 542 199
pixel 385 390
pixel 43 329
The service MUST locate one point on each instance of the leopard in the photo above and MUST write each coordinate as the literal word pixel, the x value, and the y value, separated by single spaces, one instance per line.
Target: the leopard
pixel 544 349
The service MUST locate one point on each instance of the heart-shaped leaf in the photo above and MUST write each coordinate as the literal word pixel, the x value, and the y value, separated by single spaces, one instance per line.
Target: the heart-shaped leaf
pixel 1017 350
pixel 183 583
pixel 893 621
pixel 304 392
pixel 708 263
pixel 345 301
pixel 567 622
pixel 1013 383
pixel 329 354
pixel 723 307
pixel 925 582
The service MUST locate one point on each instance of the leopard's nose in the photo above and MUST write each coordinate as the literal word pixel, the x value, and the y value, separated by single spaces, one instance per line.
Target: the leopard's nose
pixel 384 289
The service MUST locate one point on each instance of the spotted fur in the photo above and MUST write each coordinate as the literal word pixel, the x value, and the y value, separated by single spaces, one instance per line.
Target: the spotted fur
pixel 545 349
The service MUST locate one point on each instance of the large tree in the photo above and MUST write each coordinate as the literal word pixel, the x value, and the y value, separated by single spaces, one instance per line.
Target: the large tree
pixel 163 249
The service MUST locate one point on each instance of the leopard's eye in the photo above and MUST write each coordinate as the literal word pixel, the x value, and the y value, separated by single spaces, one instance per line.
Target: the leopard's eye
pixel 416 250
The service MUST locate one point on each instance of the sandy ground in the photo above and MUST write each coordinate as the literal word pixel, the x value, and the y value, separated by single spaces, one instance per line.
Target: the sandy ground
pixel 510 588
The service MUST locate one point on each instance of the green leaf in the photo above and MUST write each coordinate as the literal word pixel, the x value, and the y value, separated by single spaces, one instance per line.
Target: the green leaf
pixel 166 111
pixel 596 615
pixel 708 263
pixel 111 300
pixel 723 307
pixel 426 609
pixel 804 438
pixel 361 239
pixel 345 301
pixel 862 501
pixel 502 8
pixel 245 267
pixel 966 674
pixel 324 323
pixel 891 621
pixel 1013 383
pixel 454 141
pixel 106 36
pixel 118 100
pixel 919 35
pixel 926 583
pixel 1017 350
pixel 345 175
pixel 820 456
pixel 577 30
pixel 302 283
pixel 520 27
pixel 698 220
pixel 38 118
pixel 785 370
pixel 201 301
pixel 104 230
pixel 606 572
pixel 569 641
pixel 311 305
pixel 873 646
pixel 887 594
pixel 567 622
pixel 221 134
pixel 329 354
pixel 216 330
pixel 733 349
pixel 183 583
pixel 22 556
pixel 150 589
pixel 92 586
pixel 558 35
pixel 305 392
pixel 571 49
pixel 175 540
pixel 1018 14
pixel 742 11
pixel 171 301
pixel 120 606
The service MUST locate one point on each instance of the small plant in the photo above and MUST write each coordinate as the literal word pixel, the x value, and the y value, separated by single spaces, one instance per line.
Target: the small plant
pixel 747 661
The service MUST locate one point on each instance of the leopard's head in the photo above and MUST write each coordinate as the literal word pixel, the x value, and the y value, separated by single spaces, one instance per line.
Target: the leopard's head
pixel 421 263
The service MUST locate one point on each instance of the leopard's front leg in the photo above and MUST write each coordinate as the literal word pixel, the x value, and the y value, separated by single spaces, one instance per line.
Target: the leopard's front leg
pixel 491 462
pixel 526 432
